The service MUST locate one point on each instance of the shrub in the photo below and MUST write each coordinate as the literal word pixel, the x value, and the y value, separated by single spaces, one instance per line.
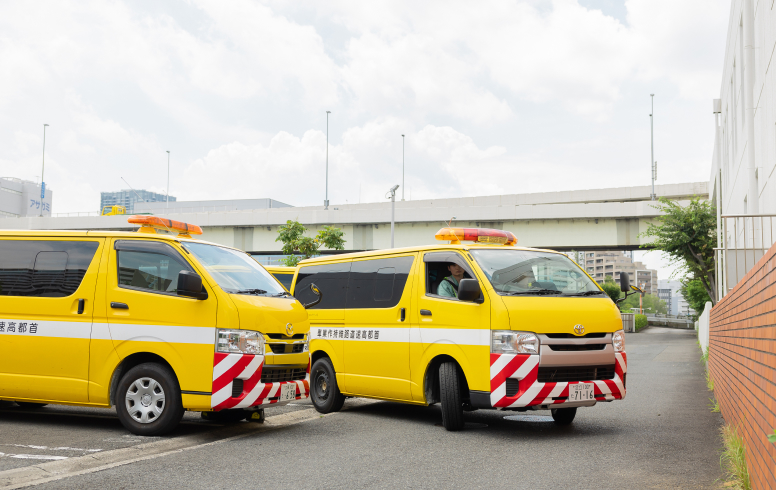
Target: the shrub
pixel 641 321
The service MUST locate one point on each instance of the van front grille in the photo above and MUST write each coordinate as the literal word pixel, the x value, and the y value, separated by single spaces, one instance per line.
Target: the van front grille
pixel 276 375
pixel 286 348
pixel 576 347
pixel 597 335
pixel 280 336
pixel 582 373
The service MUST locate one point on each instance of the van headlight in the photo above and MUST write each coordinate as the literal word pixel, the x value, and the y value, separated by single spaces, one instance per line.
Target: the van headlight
pixel 618 341
pixel 509 342
pixel 239 342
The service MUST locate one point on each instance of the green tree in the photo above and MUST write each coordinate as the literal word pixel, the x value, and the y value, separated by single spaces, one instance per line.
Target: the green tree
pixel 650 303
pixel 611 288
pixel 695 295
pixel 298 247
pixel 688 236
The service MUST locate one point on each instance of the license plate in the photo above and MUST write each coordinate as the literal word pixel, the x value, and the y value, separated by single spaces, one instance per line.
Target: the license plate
pixel 581 392
pixel 287 392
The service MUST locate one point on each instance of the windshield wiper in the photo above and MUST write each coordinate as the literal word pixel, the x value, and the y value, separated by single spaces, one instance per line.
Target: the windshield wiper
pixel 586 293
pixel 533 291
pixel 250 291
pixel 281 294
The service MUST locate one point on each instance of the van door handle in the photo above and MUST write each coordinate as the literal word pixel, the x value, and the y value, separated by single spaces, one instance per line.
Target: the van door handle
pixel 403 314
pixel 425 312
pixel 119 306
pixel 81 302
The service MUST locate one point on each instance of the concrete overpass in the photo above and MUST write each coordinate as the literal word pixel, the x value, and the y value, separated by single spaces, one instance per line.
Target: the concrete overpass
pixel 597 219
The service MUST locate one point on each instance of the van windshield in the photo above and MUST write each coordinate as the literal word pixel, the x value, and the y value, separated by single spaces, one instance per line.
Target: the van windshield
pixel 235 272
pixel 527 273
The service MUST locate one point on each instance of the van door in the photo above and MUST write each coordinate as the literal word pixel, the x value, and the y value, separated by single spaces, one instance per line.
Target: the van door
pixel 47 288
pixel 145 314
pixel 446 320
pixel 377 327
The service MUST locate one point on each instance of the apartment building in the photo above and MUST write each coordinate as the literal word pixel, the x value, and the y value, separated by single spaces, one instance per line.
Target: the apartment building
pixel 21 198
pixel 128 198
pixel 602 264
pixel 671 292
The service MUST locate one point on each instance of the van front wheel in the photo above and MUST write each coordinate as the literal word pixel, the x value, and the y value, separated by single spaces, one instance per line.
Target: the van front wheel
pixel 148 400
pixel 563 416
pixel 324 391
pixel 451 397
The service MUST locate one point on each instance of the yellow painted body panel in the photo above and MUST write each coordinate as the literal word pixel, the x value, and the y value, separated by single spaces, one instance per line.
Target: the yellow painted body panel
pixel 460 330
pixel 75 365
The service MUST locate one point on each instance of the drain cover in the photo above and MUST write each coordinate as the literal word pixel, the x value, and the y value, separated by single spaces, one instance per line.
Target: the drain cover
pixel 528 418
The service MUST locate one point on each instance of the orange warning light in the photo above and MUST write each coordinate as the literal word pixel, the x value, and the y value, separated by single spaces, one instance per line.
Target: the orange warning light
pixel 149 224
pixel 480 235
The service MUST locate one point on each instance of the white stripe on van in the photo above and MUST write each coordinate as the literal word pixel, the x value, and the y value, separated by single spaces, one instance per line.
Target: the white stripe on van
pixel 45 328
pixel 458 336
pixel 173 334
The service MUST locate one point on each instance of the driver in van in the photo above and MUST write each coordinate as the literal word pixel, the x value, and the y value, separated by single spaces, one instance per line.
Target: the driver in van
pixel 449 285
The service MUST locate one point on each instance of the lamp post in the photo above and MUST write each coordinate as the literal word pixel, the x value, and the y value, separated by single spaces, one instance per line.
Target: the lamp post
pixel 392 197
pixel 326 199
pixel 168 178
pixel 652 144
pixel 402 167
pixel 42 168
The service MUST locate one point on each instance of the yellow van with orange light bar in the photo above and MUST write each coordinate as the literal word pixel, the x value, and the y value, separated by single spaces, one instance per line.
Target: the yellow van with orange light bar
pixel 467 325
pixel 152 323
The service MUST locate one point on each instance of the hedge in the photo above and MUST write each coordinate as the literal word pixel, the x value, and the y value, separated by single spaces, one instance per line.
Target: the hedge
pixel 641 322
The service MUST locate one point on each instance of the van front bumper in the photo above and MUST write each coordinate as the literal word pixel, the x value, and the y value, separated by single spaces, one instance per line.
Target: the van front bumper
pixel 523 371
pixel 237 383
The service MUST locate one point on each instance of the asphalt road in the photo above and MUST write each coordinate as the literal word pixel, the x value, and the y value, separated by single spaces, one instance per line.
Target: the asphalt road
pixel 661 436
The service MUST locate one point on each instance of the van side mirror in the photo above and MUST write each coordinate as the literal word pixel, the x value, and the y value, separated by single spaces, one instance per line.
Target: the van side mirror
pixel 190 285
pixel 316 292
pixel 469 290
pixel 624 282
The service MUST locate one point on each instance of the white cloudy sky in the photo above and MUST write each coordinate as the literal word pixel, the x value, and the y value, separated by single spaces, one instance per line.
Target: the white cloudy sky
pixel 494 97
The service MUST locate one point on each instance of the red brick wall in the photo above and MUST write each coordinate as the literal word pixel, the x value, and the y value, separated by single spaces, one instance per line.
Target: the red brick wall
pixel 742 362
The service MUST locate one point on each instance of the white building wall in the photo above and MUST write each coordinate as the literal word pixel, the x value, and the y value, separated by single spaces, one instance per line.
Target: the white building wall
pixel 738 172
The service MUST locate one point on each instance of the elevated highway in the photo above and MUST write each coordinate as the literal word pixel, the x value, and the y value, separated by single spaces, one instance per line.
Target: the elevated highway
pixel 597 219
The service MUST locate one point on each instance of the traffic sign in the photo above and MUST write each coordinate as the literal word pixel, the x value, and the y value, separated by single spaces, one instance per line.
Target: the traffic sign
pixel 43 190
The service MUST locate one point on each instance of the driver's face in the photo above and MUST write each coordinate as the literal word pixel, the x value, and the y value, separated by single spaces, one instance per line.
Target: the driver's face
pixel 456 270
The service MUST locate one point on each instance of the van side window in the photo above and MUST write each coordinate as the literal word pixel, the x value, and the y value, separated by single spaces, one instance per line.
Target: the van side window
pixel 149 266
pixel 331 279
pixel 378 283
pixel 437 271
pixel 43 268
pixel 285 279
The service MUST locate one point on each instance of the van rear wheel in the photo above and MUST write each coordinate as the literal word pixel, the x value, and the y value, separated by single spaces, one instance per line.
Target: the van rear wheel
pixel 324 391
pixel 148 400
pixel 563 416
pixel 451 396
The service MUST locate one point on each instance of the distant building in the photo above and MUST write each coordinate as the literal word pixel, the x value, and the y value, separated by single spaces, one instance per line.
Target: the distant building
pixel 602 264
pixel 128 198
pixel 208 206
pixel 671 293
pixel 20 198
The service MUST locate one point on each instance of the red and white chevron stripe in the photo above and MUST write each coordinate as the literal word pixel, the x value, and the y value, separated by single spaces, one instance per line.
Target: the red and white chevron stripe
pixel 247 367
pixel 525 367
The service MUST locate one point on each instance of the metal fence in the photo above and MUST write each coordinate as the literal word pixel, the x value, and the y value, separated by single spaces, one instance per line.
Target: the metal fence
pixel 744 239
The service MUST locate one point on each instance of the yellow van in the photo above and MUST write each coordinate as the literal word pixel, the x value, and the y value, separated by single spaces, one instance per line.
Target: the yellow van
pixel 154 324
pixel 517 329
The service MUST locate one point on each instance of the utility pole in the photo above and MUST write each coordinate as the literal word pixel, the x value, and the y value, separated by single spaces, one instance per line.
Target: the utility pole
pixel 392 192
pixel 168 178
pixel 326 199
pixel 402 167
pixel 652 144
pixel 43 167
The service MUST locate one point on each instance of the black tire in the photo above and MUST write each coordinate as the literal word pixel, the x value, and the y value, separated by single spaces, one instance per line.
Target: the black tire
pixel 31 404
pixel 148 400
pixel 451 396
pixel 257 416
pixel 563 416
pixel 228 416
pixel 324 391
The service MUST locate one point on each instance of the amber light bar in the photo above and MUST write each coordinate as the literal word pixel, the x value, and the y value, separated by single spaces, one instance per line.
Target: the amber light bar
pixel 149 224
pixel 481 235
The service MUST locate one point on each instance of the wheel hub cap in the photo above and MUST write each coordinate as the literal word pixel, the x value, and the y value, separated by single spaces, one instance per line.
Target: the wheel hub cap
pixel 145 400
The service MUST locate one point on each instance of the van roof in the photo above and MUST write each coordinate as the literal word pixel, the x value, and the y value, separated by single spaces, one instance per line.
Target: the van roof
pixel 420 248
pixel 102 234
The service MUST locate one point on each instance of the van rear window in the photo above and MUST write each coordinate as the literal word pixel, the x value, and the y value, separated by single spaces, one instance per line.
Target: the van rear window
pixel 44 268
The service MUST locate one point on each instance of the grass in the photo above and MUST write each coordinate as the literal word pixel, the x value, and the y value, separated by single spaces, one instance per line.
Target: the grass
pixel 713 405
pixel 705 357
pixel 709 381
pixel 733 460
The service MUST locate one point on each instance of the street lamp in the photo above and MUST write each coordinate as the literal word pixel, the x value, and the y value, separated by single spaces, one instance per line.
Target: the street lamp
pixel 326 199
pixel 652 145
pixel 168 178
pixel 43 166
pixel 392 197
pixel 402 167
